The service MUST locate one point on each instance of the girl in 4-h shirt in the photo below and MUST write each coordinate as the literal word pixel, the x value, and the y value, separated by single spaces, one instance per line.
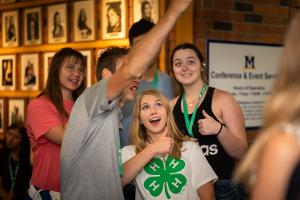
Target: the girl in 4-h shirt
pixel 164 163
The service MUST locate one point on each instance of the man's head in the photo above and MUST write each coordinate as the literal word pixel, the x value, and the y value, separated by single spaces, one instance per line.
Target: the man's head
pixel 108 60
pixel 108 64
pixel 138 29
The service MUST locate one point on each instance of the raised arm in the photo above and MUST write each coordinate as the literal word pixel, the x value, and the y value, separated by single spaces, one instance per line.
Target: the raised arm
pixel 141 55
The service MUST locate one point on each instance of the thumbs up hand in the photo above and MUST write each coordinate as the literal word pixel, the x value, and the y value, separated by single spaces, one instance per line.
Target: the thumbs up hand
pixel 164 144
pixel 208 125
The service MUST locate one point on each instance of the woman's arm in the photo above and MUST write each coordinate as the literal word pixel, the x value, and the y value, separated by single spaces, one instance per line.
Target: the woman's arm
pixel 132 167
pixel 275 166
pixel 232 135
pixel 206 191
pixel 56 134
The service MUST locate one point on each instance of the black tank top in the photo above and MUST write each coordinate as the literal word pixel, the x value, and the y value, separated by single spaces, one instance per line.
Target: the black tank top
pixel 293 192
pixel 214 152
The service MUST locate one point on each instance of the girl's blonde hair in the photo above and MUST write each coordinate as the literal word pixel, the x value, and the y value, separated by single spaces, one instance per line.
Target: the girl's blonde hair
pixel 284 103
pixel 138 135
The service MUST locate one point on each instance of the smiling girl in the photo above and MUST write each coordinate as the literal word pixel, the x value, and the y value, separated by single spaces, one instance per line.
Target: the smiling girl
pixel 47 117
pixel 164 163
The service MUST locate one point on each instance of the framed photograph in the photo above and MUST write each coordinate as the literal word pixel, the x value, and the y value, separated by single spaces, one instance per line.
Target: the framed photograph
pixel 146 9
pixel 10 29
pixel 47 61
pixel 33 26
pixel 113 18
pixel 1 115
pixel 8 72
pixel 16 111
pixel 88 63
pixel 30 72
pixel 84 20
pixel 57 23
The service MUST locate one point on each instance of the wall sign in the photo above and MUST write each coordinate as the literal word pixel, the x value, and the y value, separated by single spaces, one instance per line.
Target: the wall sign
pixel 247 71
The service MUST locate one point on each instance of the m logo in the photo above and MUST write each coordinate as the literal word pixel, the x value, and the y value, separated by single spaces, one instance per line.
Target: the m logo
pixel 249 62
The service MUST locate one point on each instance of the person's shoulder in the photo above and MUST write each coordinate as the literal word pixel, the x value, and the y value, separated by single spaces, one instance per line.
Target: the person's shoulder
pixel 221 93
pixel 39 100
pixel 281 143
pixel 223 96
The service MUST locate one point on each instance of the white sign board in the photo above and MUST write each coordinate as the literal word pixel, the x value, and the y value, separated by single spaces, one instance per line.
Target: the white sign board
pixel 245 70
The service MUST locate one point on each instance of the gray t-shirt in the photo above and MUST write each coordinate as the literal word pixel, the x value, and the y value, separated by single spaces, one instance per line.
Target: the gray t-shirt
pixel 165 85
pixel 89 153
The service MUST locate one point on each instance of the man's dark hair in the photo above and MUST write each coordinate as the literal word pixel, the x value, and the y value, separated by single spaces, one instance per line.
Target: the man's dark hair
pixel 139 28
pixel 108 59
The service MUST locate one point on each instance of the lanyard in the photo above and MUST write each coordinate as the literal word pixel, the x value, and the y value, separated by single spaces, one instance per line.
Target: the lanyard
pixel 155 80
pixel 12 175
pixel 189 123
pixel 120 159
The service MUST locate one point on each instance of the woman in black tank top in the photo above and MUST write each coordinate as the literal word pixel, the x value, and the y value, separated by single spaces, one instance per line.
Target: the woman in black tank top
pixel 210 115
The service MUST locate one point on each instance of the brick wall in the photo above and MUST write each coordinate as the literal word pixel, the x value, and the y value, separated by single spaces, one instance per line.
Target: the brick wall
pixel 260 21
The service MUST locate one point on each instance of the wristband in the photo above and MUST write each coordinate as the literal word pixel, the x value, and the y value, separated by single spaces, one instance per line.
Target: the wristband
pixel 220 128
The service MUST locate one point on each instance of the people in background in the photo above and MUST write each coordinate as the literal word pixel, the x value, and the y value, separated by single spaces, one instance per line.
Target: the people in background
pixel 82 24
pixel 114 17
pixel 90 162
pixel 15 168
pixel 210 115
pixel 47 117
pixel 271 167
pixel 146 10
pixel 58 29
pixel 163 162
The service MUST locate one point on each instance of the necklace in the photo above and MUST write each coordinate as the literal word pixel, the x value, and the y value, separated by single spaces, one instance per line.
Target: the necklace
pixel 189 122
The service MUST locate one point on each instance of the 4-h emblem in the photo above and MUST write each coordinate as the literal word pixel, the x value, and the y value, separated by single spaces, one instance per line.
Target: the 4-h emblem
pixel 165 176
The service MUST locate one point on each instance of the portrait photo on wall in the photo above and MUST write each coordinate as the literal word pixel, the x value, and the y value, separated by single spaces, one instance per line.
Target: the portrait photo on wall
pixel 8 72
pixel 16 110
pixel 146 9
pixel 57 23
pixel 88 63
pixel 33 26
pixel 46 63
pixel 10 29
pixel 29 72
pixel 113 18
pixel 84 20
pixel 1 115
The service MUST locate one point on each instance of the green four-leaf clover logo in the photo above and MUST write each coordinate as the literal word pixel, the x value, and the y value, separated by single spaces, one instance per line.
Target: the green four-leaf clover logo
pixel 165 176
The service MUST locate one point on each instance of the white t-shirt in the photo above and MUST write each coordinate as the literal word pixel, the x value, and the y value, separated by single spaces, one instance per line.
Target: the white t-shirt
pixel 169 178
